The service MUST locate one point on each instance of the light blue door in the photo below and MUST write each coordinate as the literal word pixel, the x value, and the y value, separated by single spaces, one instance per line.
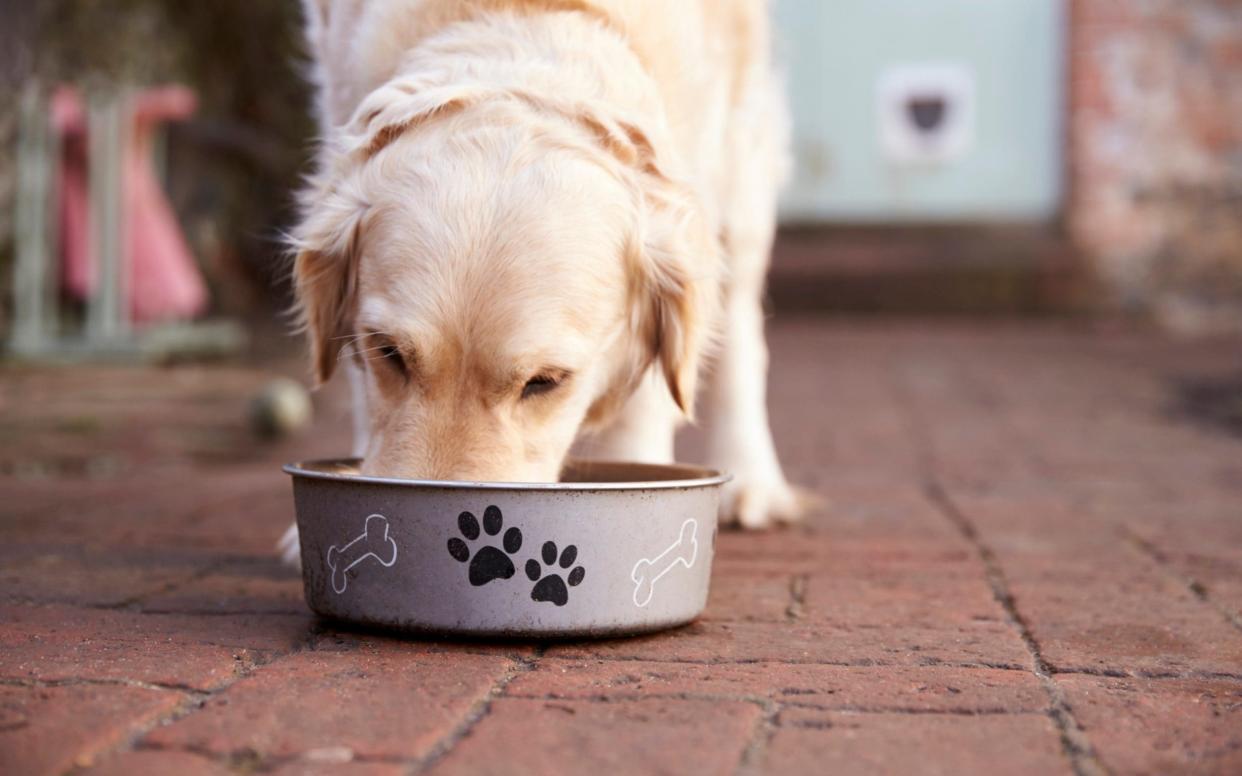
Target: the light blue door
pixel 923 110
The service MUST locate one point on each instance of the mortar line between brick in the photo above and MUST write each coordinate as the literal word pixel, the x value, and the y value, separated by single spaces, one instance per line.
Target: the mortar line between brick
pixel 197 699
pixel 191 750
pixel 477 712
pixel 1146 674
pixel 782 703
pixel 1074 739
pixel 92 757
pixel 797 597
pixel 1162 561
pixel 189 612
pixel 751 761
pixel 246 760
pixel 167 587
pixel 1074 742
pixel 796 662
pixel 791 662
pixel 74 681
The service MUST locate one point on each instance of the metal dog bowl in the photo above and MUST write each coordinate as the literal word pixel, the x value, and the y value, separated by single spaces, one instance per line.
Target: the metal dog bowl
pixel 611 549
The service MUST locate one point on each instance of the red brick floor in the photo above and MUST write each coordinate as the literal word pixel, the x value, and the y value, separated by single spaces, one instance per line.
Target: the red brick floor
pixel 1031 563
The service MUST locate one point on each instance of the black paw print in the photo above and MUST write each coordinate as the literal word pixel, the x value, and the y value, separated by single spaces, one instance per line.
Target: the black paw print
pixel 552 587
pixel 488 562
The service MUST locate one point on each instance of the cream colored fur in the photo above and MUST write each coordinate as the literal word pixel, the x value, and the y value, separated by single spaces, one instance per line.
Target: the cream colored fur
pixel 533 223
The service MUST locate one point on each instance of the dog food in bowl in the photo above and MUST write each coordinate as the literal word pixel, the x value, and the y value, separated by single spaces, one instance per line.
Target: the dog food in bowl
pixel 614 548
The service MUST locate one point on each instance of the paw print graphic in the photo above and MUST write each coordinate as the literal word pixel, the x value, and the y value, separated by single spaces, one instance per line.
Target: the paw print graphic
pixel 551 587
pixel 488 562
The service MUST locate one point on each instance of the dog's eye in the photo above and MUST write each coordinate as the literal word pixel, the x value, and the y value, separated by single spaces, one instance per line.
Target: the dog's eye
pixel 539 384
pixel 391 353
pixel 388 353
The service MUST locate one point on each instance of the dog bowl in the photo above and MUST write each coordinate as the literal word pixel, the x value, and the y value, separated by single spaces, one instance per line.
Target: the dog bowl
pixel 611 549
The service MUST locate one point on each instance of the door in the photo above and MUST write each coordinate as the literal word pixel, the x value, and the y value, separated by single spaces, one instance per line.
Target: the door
pixel 924 111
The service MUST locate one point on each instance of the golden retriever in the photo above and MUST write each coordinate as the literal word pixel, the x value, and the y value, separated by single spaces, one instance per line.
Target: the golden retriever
pixel 533 222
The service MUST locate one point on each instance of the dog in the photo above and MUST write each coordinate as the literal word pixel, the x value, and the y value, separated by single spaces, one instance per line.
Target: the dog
pixel 533 223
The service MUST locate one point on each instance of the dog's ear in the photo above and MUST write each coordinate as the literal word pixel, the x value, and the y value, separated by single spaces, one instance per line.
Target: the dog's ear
pixel 673 259
pixel 674 269
pixel 675 283
pixel 400 105
pixel 325 278
pixel 325 270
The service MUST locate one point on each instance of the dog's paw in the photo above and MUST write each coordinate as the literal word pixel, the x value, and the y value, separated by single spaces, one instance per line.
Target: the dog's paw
pixel 290 548
pixel 755 503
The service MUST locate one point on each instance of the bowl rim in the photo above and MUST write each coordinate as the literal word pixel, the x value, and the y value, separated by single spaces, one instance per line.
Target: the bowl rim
pixel 695 477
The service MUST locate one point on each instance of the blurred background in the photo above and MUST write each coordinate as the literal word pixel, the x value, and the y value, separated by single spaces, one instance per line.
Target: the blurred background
pixel 1016 156
pixel 1073 159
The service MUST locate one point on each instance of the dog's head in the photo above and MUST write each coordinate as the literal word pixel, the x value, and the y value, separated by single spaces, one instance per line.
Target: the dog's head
pixel 504 269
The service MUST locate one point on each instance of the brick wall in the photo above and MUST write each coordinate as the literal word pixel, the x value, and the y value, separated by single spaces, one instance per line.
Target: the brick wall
pixel 1156 154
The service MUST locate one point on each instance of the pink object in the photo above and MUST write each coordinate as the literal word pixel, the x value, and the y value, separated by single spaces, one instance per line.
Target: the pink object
pixel 164 281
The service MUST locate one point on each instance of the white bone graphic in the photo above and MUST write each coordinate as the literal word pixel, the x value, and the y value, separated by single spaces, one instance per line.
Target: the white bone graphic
pixel 647 572
pixel 373 543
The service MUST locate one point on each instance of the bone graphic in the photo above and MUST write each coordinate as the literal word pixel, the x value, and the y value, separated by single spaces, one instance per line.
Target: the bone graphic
pixel 647 572
pixel 373 543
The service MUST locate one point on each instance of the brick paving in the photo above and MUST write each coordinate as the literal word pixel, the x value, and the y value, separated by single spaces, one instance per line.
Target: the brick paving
pixel 1031 563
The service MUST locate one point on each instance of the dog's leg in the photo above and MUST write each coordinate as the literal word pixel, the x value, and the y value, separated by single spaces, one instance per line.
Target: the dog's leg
pixel 739 439
pixel 289 546
pixel 643 430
